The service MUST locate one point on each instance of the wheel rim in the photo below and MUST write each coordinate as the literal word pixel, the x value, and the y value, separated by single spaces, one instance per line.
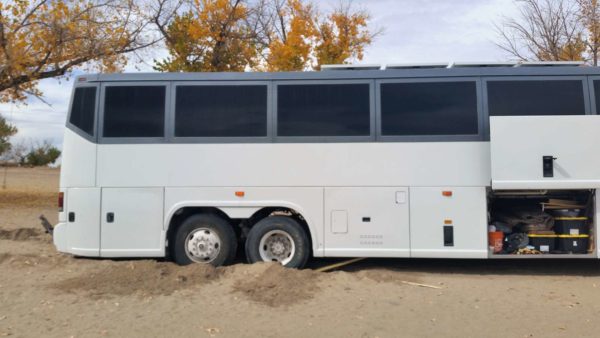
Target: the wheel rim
pixel 277 246
pixel 202 245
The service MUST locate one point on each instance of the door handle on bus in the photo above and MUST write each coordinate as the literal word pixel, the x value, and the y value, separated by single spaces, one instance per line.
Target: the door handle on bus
pixel 110 217
pixel 548 165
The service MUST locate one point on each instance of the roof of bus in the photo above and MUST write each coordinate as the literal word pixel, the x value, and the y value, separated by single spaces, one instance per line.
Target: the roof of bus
pixel 349 74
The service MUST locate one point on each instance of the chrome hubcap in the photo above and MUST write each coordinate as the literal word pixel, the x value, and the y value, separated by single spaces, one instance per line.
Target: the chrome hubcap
pixel 202 245
pixel 277 246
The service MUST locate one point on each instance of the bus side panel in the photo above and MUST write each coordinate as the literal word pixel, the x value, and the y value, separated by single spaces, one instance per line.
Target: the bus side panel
pixel 448 222
pixel 367 222
pixel 132 222
pixel 295 164
pixel 83 217
pixel 523 146
pixel 78 162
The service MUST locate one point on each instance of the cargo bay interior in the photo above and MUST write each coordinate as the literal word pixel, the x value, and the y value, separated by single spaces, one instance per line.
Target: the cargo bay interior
pixel 541 223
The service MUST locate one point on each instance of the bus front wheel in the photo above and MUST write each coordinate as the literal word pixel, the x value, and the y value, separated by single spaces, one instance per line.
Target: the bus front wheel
pixel 206 239
pixel 278 239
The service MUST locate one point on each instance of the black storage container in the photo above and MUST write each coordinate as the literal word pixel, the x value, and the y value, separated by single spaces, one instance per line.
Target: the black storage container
pixel 573 243
pixel 571 225
pixel 543 243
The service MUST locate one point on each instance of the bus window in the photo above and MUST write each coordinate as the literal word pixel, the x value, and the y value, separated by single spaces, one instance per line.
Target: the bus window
pixel 597 96
pixel 83 109
pixel 134 111
pixel 429 108
pixel 221 111
pixel 538 97
pixel 323 110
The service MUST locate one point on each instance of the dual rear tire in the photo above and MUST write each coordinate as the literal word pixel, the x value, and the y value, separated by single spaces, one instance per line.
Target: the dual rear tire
pixel 278 239
pixel 204 238
pixel 210 239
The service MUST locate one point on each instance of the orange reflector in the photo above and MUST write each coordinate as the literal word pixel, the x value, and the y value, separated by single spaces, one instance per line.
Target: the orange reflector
pixel 240 193
pixel 82 79
pixel 447 221
pixel 447 193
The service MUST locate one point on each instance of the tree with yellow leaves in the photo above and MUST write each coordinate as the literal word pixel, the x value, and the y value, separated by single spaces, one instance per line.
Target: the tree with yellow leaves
pixel 292 36
pixel 343 36
pixel 274 35
pixel 41 39
pixel 301 38
pixel 211 36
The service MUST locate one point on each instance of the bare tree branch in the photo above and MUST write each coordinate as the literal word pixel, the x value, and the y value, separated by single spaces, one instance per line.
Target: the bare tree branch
pixel 545 30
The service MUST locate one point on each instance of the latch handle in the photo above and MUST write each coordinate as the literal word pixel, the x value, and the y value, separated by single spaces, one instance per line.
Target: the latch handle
pixel 548 165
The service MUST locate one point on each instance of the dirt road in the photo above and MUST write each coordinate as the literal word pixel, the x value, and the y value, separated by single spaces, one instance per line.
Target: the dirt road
pixel 43 293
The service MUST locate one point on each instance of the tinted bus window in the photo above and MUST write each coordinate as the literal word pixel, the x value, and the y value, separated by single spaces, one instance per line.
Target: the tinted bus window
pixel 83 109
pixel 323 110
pixel 516 98
pixel 429 108
pixel 134 111
pixel 221 111
pixel 597 95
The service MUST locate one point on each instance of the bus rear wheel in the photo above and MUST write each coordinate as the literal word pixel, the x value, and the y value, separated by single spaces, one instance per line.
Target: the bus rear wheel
pixel 206 239
pixel 278 239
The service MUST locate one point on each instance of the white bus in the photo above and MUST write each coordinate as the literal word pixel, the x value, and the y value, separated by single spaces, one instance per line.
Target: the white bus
pixel 397 161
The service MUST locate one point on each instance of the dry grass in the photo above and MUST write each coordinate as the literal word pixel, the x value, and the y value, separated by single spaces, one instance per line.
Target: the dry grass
pixel 28 187
pixel 29 179
pixel 27 199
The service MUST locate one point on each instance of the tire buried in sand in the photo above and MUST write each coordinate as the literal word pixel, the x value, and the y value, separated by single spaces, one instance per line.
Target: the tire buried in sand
pixel 204 238
pixel 289 240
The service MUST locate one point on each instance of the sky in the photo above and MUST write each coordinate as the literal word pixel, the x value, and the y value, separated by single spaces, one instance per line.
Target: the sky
pixel 415 31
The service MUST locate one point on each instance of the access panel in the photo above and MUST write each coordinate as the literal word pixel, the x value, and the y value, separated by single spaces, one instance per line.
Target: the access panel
pixel 448 222
pixel 132 222
pixel 545 152
pixel 367 222
pixel 83 221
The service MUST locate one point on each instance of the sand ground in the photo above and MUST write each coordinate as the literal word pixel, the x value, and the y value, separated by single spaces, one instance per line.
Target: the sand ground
pixel 44 293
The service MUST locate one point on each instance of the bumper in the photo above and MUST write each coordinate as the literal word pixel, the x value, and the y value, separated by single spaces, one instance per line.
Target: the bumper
pixel 59 236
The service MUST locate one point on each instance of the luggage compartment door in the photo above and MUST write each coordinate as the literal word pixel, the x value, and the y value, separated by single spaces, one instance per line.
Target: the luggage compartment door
pixel 448 222
pixel 132 222
pixel 83 221
pixel 545 152
pixel 367 222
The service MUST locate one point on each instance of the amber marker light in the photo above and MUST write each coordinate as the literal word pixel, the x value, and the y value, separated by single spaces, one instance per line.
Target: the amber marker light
pixel 447 193
pixel 240 193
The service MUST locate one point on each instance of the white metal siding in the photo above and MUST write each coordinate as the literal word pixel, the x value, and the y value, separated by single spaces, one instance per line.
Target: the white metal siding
pixel 519 143
pixel 294 165
pixel 137 228
pixel 78 162
pixel 83 235
pixel 377 225
pixel 466 210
